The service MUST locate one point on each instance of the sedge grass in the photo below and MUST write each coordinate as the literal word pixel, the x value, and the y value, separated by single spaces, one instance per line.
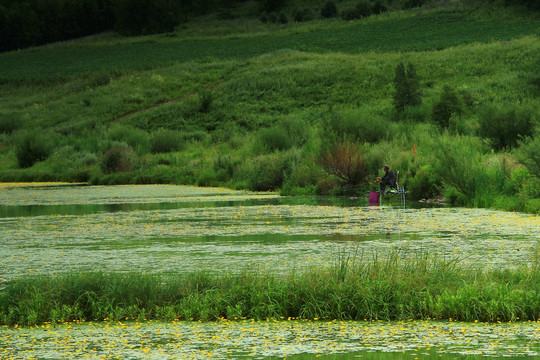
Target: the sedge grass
pixel 379 289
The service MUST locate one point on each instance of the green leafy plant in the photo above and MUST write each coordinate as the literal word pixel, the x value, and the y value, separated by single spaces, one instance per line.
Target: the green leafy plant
pixel 117 158
pixel 505 125
pixel 32 146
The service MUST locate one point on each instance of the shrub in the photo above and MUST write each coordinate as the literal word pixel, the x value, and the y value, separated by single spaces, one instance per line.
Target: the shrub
pixel 447 105
pixel 504 126
pixel 273 139
pixel 137 139
pixel 462 165
pixel 302 15
pixel 205 101
pixel 353 125
pixel 117 158
pixel 329 10
pixel 165 140
pixel 270 5
pixel 32 146
pixel 345 162
pixel 8 124
pixel 86 159
pixel 378 7
pixel 362 9
pixel 423 185
pixel 268 172
pixel 529 155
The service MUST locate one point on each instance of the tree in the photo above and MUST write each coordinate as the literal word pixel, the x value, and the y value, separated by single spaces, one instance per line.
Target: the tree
pixel 448 105
pixel 407 87
pixel 329 10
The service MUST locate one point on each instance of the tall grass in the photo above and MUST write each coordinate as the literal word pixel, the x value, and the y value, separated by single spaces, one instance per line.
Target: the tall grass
pixel 386 289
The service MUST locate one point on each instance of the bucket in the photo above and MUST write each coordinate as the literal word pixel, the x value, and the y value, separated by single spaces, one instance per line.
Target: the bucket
pixel 373 197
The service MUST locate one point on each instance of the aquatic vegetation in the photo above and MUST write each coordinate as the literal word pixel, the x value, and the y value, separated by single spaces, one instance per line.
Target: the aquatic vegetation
pixel 268 339
pixel 387 288
pixel 130 253
pixel 225 230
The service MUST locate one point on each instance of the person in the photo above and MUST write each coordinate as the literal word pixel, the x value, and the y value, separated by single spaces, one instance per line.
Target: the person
pixel 389 179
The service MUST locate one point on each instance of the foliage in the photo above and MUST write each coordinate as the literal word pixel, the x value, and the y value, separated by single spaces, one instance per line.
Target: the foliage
pixel 424 184
pixel 463 166
pixel 302 15
pixel 136 17
pixel 117 158
pixel 268 172
pixel 529 155
pixel 346 162
pixel 329 10
pixel 380 289
pixel 271 5
pixel 406 87
pixel 447 105
pixel 273 139
pixel 505 125
pixel 8 124
pixel 32 146
pixel 165 140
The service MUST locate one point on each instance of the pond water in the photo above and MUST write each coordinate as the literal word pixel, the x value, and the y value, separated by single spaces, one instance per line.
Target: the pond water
pixel 51 228
pixel 180 228
pixel 272 340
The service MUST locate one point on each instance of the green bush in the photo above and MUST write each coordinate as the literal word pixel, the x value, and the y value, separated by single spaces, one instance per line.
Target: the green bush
pixel 205 101
pixel 424 184
pixel 137 139
pixel 273 139
pixel 406 87
pixel 8 124
pixel 268 172
pixel 447 105
pixel 361 10
pixel 461 164
pixel 329 10
pixel 32 146
pixel 165 140
pixel 302 15
pixel 353 125
pixel 117 158
pixel 503 126
pixel 529 154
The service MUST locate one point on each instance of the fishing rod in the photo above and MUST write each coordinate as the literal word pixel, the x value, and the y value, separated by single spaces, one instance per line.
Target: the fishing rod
pixel 370 182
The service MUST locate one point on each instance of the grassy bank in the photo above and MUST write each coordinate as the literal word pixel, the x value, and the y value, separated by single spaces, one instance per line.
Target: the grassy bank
pixel 387 289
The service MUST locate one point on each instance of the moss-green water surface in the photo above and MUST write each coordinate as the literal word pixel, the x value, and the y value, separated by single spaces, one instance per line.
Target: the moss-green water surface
pixel 175 229
pixel 171 229
pixel 272 340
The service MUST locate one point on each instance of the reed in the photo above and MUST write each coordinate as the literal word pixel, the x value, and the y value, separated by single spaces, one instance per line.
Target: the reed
pixel 354 288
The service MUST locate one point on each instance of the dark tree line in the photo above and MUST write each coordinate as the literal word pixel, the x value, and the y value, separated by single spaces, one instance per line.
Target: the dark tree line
pixel 25 23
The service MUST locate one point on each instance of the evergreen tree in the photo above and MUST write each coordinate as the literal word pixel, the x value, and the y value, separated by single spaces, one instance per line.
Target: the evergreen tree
pixel 407 87
pixel 415 98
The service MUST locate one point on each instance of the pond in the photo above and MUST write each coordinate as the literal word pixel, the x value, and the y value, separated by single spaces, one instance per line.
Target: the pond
pixel 52 228
pixel 272 340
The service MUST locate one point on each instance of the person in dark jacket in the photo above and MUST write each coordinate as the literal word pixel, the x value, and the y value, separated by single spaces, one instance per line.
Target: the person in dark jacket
pixel 389 179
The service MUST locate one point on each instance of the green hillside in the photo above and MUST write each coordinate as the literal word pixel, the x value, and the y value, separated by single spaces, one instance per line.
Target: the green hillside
pixel 268 106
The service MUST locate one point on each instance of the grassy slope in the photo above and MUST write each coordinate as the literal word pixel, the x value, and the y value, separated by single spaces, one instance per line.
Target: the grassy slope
pixel 293 73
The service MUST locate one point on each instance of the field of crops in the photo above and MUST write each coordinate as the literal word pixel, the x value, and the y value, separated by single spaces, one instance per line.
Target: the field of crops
pixel 423 32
